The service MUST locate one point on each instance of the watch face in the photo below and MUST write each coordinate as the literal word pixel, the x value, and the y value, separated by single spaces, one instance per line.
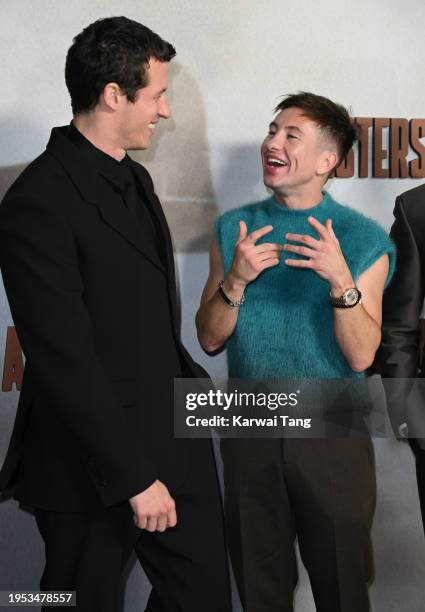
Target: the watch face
pixel 351 297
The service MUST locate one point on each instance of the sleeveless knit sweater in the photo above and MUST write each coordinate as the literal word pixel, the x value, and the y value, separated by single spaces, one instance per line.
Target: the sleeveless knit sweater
pixel 285 327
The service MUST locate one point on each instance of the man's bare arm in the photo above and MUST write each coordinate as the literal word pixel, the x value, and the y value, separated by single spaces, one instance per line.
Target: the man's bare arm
pixel 216 320
pixel 358 333
pixel 357 329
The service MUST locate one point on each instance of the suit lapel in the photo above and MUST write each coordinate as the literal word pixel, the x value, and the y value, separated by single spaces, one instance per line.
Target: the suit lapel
pixel 146 183
pixel 115 214
pixel 95 191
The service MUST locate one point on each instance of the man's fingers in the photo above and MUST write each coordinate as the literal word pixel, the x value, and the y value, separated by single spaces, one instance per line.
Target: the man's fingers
pixel 162 522
pixel 140 521
pixel 330 228
pixel 268 246
pixel 304 239
pixel 172 518
pixel 320 229
pixel 243 231
pixel 300 250
pixel 271 254
pixel 269 263
pixel 152 508
pixel 299 263
pixel 254 236
pixel 266 258
pixel 152 523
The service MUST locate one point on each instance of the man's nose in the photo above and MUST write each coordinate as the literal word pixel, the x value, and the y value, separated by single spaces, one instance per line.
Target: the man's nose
pixel 164 108
pixel 274 143
pixel 273 146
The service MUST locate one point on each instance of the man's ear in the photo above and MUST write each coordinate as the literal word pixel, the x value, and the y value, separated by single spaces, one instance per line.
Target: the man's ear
pixel 327 162
pixel 111 96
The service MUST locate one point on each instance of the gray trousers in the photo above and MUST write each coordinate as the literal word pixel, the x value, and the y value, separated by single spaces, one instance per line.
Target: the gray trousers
pixel 322 491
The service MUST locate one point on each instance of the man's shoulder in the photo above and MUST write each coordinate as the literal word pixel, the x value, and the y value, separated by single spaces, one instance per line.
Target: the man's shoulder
pixel 414 194
pixel 354 221
pixel 413 200
pixel 363 240
pixel 35 179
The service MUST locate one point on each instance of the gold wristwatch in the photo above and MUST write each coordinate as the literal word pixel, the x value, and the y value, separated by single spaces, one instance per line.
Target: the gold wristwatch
pixel 348 299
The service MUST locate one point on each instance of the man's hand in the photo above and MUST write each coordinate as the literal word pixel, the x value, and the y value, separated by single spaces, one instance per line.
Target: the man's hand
pixel 249 259
pixel 215 320
pixel 154 509
pixel 325 256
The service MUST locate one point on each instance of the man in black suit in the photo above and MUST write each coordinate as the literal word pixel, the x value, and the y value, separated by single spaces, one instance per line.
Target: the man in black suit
pixel 88 269
pixel 399 354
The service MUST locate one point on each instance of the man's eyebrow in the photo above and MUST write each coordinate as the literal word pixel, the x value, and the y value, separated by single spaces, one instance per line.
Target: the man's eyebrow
pixel 274 125
pixel 294 128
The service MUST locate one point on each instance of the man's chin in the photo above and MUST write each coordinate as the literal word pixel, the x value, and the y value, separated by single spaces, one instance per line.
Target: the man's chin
pixel 141 146
pixel 267 182
pixel 270 183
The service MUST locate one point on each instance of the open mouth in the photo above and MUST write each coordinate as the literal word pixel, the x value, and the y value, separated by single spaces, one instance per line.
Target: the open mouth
pixel 274 162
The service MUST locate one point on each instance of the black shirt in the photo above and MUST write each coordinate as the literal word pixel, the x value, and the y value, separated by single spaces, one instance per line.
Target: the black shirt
pixel 120 175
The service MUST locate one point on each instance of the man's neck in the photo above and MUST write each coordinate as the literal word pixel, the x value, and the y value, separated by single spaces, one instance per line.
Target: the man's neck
pixel 92 129
pixel 302 198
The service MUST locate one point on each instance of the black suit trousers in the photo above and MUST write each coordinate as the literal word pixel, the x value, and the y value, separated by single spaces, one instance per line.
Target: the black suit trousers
pixel 88 551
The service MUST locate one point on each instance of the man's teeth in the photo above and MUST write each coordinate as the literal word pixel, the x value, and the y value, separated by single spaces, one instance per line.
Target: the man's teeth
pixel 152 126
pixel 272 161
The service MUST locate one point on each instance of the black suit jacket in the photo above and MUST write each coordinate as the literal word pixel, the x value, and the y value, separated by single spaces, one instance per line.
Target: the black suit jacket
pixel 398 356
pixel 95 417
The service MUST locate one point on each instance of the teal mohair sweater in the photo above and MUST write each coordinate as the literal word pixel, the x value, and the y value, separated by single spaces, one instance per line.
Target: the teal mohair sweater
pixel 285 327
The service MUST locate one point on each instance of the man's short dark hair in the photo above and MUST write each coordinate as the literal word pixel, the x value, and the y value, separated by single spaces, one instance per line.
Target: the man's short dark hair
pixel 333 119
pixel 111 50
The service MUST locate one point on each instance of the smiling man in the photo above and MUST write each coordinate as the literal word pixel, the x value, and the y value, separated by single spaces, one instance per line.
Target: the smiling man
pixel 88 268
pixel 295 290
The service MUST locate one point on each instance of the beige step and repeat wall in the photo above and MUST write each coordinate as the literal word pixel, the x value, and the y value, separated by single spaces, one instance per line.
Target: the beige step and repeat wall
pixel 234 61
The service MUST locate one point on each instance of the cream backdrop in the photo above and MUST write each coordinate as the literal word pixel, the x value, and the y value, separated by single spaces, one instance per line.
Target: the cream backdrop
pixel 234 61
